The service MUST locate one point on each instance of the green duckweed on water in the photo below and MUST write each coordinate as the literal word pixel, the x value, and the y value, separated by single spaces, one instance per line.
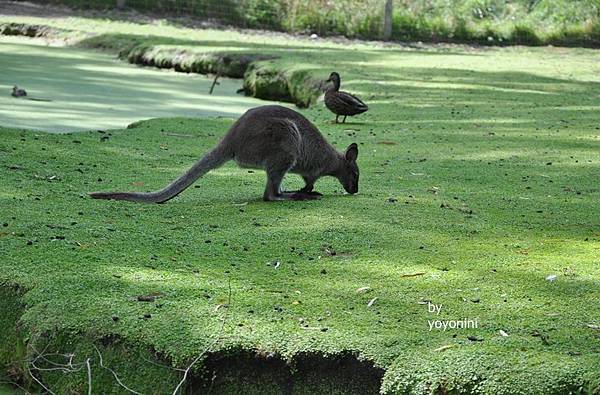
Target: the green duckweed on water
pixel 83 90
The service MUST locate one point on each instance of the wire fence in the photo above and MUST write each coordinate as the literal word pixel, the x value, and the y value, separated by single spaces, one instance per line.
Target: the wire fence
pixel 352 18
pixel 486 22
pixel 240 13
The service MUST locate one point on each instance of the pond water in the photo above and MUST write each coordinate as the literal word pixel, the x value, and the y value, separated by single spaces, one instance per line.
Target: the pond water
pixel 91 90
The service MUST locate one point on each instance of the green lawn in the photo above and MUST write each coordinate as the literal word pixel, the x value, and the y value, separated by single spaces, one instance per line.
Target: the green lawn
pixel 479 179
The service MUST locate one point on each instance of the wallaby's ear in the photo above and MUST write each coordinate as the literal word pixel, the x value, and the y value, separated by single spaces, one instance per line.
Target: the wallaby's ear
pixel 352 152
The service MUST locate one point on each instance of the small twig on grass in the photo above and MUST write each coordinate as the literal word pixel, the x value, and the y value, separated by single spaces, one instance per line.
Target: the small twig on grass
pixel 215 82
pixel 160 365
pixel 223 62
pixel 215 341
pixel 65 368
pixel 62 369
pixel 89 372
pixel 69 366
pixel 114 374
pixel 39 382
pixel 177 134
pixel 39 354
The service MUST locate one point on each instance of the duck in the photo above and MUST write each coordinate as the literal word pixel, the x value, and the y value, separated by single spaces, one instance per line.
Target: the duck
pixel 342 103
pixel 18 92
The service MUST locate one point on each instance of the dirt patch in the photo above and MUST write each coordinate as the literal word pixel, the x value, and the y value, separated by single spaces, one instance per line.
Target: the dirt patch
pixel 263 373
pixel 12 349
pixel 24 8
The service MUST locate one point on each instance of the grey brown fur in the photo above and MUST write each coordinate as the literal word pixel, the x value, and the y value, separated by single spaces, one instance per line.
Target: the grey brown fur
pixel 273 138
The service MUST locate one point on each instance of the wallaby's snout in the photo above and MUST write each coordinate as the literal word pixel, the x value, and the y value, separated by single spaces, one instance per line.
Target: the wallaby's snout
pixel 349 174
pixel 352 190
pixel 351 185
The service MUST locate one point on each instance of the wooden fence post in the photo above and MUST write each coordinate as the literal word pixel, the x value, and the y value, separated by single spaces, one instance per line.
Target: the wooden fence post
pixel 387 19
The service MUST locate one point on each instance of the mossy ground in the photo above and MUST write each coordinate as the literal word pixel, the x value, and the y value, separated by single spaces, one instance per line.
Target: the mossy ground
pixel 479 178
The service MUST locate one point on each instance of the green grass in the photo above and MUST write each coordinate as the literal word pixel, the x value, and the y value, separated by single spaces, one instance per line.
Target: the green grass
pixel 493 161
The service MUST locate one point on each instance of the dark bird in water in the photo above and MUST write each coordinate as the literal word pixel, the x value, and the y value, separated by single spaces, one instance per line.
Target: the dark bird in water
pixel 342 103
pixel 18 92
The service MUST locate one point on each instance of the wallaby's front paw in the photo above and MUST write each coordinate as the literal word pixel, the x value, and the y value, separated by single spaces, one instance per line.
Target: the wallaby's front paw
pixel 305 196
pixel 303 191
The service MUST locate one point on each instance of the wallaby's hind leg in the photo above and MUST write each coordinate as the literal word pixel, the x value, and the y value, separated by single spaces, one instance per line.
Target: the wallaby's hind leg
pixel 275 172
pixel 274 178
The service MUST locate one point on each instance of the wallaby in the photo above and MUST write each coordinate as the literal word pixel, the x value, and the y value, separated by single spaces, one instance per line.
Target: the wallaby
pixel 276 139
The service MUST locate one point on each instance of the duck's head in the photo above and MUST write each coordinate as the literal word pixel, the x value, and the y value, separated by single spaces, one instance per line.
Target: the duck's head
pixel 335 79
pixel 347 173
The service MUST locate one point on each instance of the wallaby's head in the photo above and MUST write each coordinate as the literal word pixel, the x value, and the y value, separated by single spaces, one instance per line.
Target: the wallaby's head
pixel 348 172
pixel 335 79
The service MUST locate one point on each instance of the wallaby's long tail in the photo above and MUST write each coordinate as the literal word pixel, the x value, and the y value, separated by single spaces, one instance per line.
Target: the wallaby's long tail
pixel 211 160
